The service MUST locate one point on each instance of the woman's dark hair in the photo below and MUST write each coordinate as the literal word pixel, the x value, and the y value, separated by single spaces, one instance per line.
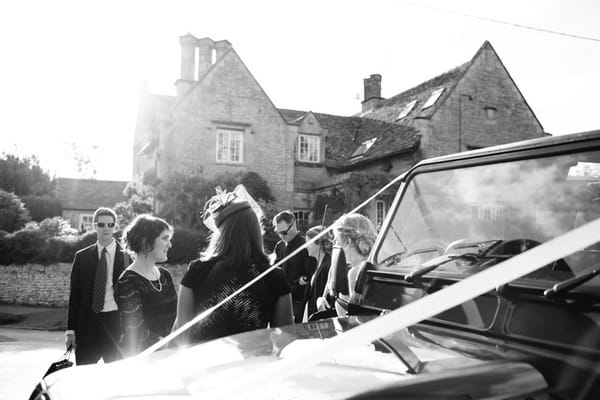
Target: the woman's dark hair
pixel 140 234
pixel 238 240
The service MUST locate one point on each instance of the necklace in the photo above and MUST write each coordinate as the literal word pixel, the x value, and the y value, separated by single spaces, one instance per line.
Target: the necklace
pixel 151 278
pixel 159 283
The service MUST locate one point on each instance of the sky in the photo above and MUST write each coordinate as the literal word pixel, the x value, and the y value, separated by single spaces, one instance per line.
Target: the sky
pixel 71 71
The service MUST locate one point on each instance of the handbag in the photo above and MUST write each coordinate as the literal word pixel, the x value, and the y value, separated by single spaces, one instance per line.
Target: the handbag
pixel 62 363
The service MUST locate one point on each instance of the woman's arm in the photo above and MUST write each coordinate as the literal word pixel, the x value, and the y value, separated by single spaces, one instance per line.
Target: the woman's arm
pixel 283 314
pixel 185 311
pixel 131 314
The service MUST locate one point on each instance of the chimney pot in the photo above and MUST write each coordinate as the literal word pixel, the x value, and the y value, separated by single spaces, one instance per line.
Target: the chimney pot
pixel 188 63
pixel 205 48
pixel 372 88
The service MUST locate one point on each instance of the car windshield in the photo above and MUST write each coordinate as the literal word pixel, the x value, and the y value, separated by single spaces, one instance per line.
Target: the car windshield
pixel 494 211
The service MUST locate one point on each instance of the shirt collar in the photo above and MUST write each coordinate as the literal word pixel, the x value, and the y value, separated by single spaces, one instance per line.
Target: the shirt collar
pixel 110 248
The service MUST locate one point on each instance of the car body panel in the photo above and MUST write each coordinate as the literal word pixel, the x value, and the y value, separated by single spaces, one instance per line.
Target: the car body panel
pixel 201 369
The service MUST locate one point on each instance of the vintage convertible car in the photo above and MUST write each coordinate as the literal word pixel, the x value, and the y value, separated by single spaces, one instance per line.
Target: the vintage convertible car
pixel 482 285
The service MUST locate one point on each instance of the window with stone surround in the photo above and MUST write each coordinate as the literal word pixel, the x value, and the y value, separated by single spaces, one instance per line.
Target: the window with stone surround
pixel 309 147
pixel 230 145
pixel 302 218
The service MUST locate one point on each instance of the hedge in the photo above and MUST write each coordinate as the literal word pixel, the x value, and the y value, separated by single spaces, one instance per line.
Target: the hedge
pixel 36 246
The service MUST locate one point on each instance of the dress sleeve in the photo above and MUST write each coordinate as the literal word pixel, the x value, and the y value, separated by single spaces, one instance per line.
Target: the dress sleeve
pixel 277 283
pixel 196 274
pixel 134 331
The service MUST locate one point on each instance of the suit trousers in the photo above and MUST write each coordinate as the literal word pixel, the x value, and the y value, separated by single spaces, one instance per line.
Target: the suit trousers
pixel 105 344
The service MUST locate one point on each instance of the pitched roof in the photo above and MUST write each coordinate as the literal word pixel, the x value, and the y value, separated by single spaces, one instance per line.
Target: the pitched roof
pixel 347 134
pixel 292 117
pixel 89 194
pixel 390 109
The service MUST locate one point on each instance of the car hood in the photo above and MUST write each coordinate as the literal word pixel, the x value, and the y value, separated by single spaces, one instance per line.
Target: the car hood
pixel 414 360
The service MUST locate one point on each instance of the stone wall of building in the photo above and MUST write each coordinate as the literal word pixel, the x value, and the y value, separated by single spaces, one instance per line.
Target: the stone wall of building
pixel 484 109
pixel 47 285
pixel 230 98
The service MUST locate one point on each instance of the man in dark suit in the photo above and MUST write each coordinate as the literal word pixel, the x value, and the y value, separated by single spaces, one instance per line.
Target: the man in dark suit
pixel 298 269
pixel 93 327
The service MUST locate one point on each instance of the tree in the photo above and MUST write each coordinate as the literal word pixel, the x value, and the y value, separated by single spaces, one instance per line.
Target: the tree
pixel 55 227
pixel 83 161
pixel 182 195
pixel 13 214
pixel 42 207
pixel 257 186
pixel 24 176
pixel 139 201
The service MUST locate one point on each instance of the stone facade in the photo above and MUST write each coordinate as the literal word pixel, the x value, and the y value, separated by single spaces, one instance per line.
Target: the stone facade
pixel 485 108
pixel 47 285
pixel 478 105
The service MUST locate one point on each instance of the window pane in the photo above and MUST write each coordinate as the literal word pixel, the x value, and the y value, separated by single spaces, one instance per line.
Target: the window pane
pixel 229 145
pixel 433 98
pixel 308 148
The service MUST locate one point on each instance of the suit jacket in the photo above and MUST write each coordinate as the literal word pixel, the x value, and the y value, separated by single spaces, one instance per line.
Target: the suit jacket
pixel 81 318
pixel 295 267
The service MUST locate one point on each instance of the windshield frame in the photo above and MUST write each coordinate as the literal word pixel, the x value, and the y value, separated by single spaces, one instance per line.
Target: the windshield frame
pixel 522 151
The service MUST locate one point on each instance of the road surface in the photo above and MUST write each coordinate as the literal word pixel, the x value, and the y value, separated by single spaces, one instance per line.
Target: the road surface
pixel 24 357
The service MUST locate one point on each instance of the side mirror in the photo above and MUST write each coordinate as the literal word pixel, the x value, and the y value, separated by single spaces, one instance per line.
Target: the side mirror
pixel 361 278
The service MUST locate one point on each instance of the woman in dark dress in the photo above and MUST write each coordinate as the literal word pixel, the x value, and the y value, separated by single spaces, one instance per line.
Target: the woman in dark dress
pixel 320 254
pixel 145 293
pixel 234 257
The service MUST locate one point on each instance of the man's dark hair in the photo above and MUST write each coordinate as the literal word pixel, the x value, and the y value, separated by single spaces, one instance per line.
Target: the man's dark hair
pixel 105 211
pixel 286 216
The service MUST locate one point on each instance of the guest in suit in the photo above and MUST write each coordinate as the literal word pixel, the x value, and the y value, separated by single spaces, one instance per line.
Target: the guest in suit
pixel 298 269
pixel 93 320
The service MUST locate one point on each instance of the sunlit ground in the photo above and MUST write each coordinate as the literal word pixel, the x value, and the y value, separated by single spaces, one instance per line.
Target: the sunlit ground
pixel 24 357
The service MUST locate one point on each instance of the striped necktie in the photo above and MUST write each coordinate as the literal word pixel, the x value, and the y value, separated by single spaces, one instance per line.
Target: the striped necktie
pixel 100 284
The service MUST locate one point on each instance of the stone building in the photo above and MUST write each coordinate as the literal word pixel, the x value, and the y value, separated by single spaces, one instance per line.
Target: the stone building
pixel 221 120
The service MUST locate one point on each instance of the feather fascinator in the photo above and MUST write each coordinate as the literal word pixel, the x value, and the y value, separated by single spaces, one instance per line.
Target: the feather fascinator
pixel 224 204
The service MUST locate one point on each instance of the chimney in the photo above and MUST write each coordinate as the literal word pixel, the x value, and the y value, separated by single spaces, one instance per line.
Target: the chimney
pixel 188 64
pixel 373 97
pixel 205 48
pixel 221 47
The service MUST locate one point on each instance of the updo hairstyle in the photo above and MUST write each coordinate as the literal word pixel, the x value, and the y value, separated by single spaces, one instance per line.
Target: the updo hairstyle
pixel 325 241
pixel 359 230
pixel 140 234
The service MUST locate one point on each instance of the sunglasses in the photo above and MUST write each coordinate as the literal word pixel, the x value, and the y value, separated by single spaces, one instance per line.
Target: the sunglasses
pixel 103 224
pixel 285 232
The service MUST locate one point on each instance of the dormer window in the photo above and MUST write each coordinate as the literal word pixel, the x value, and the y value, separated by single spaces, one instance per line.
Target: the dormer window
pixel 406 110
pixel 433 98
pixel 363 148
pixel 309 148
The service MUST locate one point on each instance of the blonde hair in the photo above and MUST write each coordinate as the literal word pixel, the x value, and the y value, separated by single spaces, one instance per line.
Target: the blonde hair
pixel 359 230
